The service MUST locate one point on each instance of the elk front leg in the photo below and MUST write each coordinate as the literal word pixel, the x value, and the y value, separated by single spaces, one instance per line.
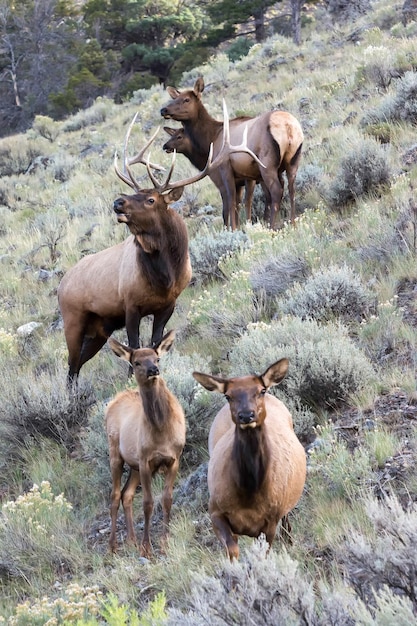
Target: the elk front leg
pixel 160 320
pixel 224 533
pixel 133 318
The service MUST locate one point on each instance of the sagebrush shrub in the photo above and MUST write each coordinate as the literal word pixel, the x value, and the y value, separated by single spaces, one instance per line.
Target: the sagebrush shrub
pixel 275 275
pixel 269 589
pixel 42 407
pixel 208 247
pixel 16 154
pixel 332 292
pixel 326 367
pixel 400 106
pixel 46 127
pixel 362 170
pixel 387 559
pixel 39 536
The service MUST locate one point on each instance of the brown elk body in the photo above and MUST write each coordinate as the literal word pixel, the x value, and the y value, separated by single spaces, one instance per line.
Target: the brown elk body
pixel 143 275
pixel 276 137
pixel 146 430
pixel 120 285
pixel 181 143
pixel 257 466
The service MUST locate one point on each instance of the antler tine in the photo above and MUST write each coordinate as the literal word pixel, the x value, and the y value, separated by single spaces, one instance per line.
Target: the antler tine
pixel 227 148
pixel 121 175
pixel 129 179
pixel 139 157
pixel 167 186
pixel 161 186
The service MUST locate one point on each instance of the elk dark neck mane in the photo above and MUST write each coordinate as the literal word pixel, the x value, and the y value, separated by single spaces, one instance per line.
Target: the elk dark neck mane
pixel 203 130
pixel 251 455
pixel 162 254
pixel 155 402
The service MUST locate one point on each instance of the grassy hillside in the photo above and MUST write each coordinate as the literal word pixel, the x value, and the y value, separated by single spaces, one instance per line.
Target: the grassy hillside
pixel 337 294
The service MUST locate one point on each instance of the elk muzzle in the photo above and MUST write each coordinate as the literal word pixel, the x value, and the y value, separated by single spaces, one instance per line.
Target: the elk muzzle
pixel 152 371
pixel 119 207
pixel 247 419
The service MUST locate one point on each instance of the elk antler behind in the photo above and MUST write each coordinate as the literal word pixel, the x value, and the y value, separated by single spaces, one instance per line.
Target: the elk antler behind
pixel 129 179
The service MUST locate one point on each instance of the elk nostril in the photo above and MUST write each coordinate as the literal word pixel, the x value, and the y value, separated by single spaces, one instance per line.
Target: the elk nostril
pixel 152 371
pixel 246 417
pixel 163 111
pixel 118 204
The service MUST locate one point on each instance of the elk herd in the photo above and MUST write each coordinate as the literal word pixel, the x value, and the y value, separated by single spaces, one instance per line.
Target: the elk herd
pixel 257 466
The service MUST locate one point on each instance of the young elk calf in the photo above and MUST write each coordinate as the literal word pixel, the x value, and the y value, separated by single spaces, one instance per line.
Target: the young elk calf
pixel 146 430
pixel 257 466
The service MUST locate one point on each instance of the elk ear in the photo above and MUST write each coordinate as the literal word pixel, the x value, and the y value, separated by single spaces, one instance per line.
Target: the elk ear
pixel 173 92
pixel 199 86
pixel 124 352
pixel 211 383
pixel 165 344
pixel 171 131
pixel 173 195
pixel 275 373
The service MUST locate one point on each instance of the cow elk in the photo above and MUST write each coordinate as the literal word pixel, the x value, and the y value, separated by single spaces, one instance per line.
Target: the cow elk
pixel 146 431
pixel 257 466
pixel 275 137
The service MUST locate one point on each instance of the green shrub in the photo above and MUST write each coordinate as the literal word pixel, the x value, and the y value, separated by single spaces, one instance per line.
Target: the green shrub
pixel 364 169
pixel 96 114
pixel 325 365
pixel 38 536
pixel 333 292
pixel 46 127
pixel 16 154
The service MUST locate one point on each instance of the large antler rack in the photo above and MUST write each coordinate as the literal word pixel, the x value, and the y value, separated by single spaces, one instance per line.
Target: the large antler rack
pixel 226 150
pixel 129 179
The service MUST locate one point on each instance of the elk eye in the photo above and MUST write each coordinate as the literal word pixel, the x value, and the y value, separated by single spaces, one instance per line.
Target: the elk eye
pixel 227 397
pixel 263 392
pixel 186 99
pixel 151 200
pixel 136 363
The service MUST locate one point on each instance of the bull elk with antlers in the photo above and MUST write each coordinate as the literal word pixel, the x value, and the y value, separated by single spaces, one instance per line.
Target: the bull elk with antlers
pixel 146 430
pixel 143 275
pixel 257 466
pixel 275 137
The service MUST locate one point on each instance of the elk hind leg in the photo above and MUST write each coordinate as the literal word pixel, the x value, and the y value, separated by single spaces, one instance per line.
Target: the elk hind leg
pixel 146 481
pixel 116 466
pixel 170 476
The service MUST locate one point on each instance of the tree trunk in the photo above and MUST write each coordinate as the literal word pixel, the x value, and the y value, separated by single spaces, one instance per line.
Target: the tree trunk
pixel 259 16
pixel 296 20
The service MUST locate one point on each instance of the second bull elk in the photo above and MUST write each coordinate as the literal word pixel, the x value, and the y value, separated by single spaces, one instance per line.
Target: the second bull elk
pixel 275 137
pixel 257 466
